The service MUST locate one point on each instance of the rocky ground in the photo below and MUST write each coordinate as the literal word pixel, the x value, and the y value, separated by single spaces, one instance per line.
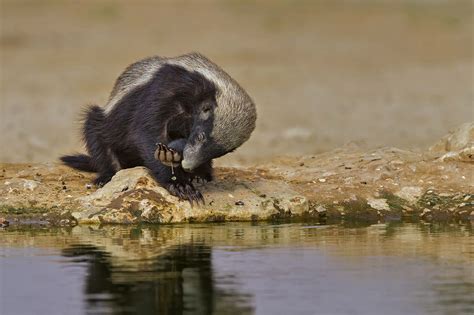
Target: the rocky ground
pixel 347 183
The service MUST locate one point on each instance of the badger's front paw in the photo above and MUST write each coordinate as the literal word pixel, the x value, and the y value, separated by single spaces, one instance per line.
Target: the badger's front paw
pixel 167 155
pixel 186 192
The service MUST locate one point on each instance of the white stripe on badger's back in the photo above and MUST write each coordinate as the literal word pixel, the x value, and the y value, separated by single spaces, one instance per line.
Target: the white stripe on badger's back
pixel 212 72
pixel 135 75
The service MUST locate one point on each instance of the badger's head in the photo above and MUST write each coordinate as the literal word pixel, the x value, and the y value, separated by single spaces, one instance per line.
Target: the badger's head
pixel 221 124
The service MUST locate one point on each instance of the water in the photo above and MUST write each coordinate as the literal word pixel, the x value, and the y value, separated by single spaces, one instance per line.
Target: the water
pixel 238 269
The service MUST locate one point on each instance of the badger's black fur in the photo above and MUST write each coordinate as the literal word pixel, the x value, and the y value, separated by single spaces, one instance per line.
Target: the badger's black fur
pixel 171 101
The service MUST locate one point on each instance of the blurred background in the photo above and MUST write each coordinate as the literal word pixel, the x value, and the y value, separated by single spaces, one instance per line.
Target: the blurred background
pixel 322 73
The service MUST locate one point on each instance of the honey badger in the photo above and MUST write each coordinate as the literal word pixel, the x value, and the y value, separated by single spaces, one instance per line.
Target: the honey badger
pixel 171 115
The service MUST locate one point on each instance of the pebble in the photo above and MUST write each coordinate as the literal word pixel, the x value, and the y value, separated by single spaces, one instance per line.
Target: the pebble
pixel 4 223
pixel 321 209
pixel 378 204
pixel 30 184
pixel 239 203
pixel 425 212
pixel 322 180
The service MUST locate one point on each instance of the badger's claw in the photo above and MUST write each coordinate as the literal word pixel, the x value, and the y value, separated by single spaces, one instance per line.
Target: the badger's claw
pixel 200 180
pixel 103 179
pixel 167 155
pixel 186 192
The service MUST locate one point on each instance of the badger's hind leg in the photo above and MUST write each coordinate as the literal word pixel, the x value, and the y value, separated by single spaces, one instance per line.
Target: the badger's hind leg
pixel 101 155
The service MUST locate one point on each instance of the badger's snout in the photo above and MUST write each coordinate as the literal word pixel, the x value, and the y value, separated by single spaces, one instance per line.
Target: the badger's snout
pixel 190 165
pixel 192 157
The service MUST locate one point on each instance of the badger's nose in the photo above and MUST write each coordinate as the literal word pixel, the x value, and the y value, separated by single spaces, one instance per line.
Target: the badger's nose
pixel 188 167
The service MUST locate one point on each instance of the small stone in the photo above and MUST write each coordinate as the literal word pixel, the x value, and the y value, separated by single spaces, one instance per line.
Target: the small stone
pixel 410 193
pixel 88 186
pixel 239 203
pixel 467 198
pixel 301 164
pixel 230 196
pixel 262 195
pixel 425 212
pixel 4 223
pixel 321 209
pixel 378 204
pixel 30 184
pixel 322 180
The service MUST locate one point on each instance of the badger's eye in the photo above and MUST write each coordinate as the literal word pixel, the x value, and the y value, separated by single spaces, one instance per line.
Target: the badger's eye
pixel 201 137
pixel 206 109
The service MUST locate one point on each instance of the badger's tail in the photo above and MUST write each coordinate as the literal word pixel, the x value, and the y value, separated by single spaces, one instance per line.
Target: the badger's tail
pixel 80 162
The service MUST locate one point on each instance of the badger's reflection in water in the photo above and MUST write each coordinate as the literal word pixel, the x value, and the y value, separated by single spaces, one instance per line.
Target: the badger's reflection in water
pixel 239 268
pixel 177 282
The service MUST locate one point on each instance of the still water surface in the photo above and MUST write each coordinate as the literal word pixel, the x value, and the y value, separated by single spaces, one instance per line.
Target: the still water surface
pixel 238 269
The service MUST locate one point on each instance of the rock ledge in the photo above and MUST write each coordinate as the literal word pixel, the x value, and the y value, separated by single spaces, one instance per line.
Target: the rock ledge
pixel 348 183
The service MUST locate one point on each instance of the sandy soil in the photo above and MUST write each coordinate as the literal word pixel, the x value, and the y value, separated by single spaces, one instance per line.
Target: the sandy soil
pixel 322 73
